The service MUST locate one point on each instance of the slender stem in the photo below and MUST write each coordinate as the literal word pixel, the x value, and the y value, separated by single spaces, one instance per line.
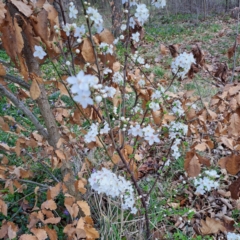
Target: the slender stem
pixel 139 190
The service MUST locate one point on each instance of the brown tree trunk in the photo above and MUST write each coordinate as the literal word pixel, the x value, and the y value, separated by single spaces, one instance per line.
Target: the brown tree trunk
pixel 116 16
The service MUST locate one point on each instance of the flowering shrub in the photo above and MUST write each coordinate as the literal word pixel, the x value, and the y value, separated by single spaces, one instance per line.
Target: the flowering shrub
pixel 105 181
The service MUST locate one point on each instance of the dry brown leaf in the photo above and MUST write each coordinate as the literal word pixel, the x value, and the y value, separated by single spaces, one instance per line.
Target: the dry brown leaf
pixel 106 36
pixel 192 165
pixel 227 142
pixel 116 66
pixel 3 207
pixel 234 127
pixel 54 191
pixel 234 188
pixel 80 223
pixel 52 220
pixel 35 90
pixel 84 207
pixel 52 234
pixel 39 233
pixel 201 147
pixel 91 233
pixel 22 7
pixel 231 51
pixel 163 49
pixel 211 226
pixel 60 154
pixel 27 237
pixel 2 12
pixel 49 204
pixel 87 51
pixel 233 164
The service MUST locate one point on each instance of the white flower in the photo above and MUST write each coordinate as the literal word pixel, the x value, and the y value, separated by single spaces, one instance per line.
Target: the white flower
pixel 132 22
pixel 68 63
pixel 106 48
pixel 39 52
pixel 79 31
pixel 137 58
pixel 159 3
pixel 141 83
pixel 98 99
pixel 142 13
pixel 177 108
pixel 118 78
pixel 156 95
pixel 132 2
pixel 73 11
pixel 106 71
pixel 233 236
pixel 77 51
pixel 110 91
pixel 135 36
pixel 123 27
pixel 182 64
pixel 148 130
pixel 121 37
pixel 154 106
pixel 204 184
pixel 147 66
pixel 92 133
pixel 105 129
pixel 96 18
pixel 152 138
pixel 212 173
pixel 136 131
pixel 107 182
pixel 68 28
pixel 84 98
pixel 115 41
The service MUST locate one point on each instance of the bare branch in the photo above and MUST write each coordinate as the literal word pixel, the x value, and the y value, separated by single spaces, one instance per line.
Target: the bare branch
pixel 17 80
pixel 19 104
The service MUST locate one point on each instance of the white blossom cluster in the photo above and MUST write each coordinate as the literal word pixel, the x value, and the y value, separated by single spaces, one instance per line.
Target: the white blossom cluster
pixel 205 184
pixel 142 13
pixel 154 106
pixel 96 17
pixel 159 3
pixel 176 130
pixel 147 132
pixel 182 64
pixel 72 27
pixel 177 108
pixel 107 182
pixel 93 132
pixel 82 85
pixel 156 97
pixel 106 48
pixel 118 78
pixel 233 236
pixel 138 59
pixel 137 109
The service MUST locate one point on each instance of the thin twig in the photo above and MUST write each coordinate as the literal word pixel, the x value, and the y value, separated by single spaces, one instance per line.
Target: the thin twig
pixel 19 104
